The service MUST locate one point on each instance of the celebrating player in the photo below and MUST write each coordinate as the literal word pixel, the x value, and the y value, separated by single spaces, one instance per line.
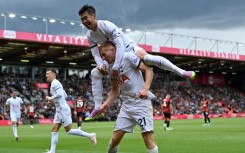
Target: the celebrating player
pixel 15 106
pixel 166 109
pixel 136 107
pixel 63 112
pixel 102 30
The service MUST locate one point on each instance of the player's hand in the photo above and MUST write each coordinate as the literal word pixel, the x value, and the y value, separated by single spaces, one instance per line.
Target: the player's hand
pixel 114 75
pixel 103 70
pixel 5 114
pixel 47 98
pixel 143 94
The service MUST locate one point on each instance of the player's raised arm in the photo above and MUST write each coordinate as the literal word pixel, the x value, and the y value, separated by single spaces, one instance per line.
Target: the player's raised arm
pixel 119 53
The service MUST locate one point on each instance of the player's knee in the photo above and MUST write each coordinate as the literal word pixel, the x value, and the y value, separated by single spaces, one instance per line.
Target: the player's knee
pixel 95 73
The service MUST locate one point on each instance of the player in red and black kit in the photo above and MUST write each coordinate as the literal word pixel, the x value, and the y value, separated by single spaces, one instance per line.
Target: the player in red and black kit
pixel 31 113
pixel 79 110
pixel 166 109
pixel 205 110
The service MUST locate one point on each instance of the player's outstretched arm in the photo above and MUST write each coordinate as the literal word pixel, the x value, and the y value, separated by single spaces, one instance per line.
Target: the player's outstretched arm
pixel 112 96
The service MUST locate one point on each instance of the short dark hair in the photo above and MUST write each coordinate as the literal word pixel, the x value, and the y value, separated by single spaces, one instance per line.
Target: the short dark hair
pixel 52 70
pixel 87 8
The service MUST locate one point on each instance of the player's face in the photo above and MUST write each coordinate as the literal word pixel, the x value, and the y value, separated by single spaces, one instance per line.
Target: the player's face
pixel 49 76
pixel 14 94
pixel 108 53
pixel 89 21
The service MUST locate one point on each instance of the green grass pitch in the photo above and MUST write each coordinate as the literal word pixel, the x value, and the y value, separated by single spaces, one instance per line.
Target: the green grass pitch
pixel 188 136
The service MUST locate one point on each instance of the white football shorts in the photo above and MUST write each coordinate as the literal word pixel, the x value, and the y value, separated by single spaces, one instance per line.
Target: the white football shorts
pixel 135 115
pixel 63 116
pixel 15 117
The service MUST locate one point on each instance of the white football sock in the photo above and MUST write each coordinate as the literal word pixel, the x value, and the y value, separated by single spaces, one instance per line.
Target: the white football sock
pixel 162 63
pixel 79 132
pixel 97 88
pixel 54 140
pixel 154 150
pixel 15 130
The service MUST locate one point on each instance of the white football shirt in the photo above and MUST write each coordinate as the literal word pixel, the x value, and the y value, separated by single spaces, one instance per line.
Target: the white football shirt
pixel 14 104
pixel 130 80
pixel 58 94
pixel 106 30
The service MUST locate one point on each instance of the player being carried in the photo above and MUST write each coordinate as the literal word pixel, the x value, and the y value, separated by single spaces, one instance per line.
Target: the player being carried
pixel 102 30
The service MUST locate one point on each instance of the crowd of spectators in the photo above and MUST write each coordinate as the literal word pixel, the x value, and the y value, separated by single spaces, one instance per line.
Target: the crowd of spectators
pixel 184 99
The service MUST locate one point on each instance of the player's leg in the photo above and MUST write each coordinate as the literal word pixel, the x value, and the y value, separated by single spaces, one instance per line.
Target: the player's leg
pixel 163 63
pixel 54 134
pixel 67 123
pixel 79 121
pixel 208 118
pixel 205 119
pixel 15 131
pixel 168 117
pixel 149 142
pixel 144 117
pixel 14 120
pixel 31 120
pixel 115 140
pixel 165 122
pixel 81 133
pixel 97 91
pixel 124 124
pixel 54 137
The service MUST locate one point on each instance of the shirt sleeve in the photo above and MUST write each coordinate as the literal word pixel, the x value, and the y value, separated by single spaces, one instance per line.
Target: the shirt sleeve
pixel 21 101
pixel 7 102
pixel 59 91
pixel 133 60
pixel 115 35
pixel 95 52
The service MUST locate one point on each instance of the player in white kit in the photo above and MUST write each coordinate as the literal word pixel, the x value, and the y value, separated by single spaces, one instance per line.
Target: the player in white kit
pixel 63 112
pixel 15 112
pixel 136 108
pixel 102 30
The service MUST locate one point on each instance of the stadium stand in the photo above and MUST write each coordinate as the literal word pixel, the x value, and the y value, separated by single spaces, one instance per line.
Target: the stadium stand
pixel 186 99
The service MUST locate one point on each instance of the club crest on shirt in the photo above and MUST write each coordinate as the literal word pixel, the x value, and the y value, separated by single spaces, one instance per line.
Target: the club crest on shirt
pixel 122 79
pixel 121 69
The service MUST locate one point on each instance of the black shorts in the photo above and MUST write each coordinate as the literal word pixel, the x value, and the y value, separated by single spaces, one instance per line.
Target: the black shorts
pixel 167 115
pixel 205 114
pixel 80 114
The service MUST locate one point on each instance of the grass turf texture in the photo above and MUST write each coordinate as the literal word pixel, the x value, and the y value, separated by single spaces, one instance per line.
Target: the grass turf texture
pixel 188 136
